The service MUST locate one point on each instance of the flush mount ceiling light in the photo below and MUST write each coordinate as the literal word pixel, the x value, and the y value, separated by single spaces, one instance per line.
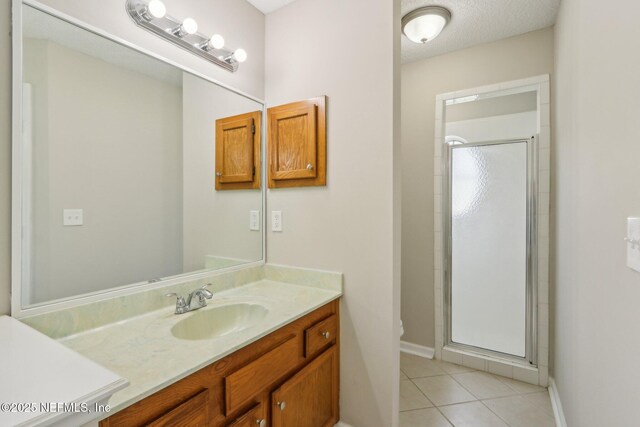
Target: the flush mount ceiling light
pixel 152 16
pixel 424 24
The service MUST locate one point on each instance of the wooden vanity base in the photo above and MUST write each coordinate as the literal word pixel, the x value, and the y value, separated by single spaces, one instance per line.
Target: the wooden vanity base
pixel 290 378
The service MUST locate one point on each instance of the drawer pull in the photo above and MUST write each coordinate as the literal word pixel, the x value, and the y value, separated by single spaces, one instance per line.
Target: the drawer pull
pixel 281 405
pixel 261 423
pixel 326 335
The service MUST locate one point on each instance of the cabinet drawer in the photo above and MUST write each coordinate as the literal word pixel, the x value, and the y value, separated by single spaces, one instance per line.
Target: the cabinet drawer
pixel 245 383
pixel 191 413
pixel 254 417
pixel 320 335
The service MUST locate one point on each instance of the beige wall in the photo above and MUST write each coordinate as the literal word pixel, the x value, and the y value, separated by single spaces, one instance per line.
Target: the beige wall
pixel 215 222
pixel 5 158
pixel 509 59
pixel 241 24
pixel 347 226
pixel 596 187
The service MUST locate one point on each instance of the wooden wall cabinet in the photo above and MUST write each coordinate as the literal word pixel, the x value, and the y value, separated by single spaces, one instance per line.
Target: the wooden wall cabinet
pixel 297 144
pixel 238 152
pixel 290 378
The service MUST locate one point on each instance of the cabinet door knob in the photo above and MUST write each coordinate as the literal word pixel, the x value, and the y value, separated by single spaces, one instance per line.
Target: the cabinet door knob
pixel 326 335
pixel 281 405
pixel 261 423
pixel 309 166
pixel 218 173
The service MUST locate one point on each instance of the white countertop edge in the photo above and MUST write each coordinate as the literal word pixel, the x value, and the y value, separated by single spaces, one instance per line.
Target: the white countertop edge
pixel 103 393
pixel 125 404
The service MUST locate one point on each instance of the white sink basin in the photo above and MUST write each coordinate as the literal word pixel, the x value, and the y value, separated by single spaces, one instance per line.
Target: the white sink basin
pixel 218 321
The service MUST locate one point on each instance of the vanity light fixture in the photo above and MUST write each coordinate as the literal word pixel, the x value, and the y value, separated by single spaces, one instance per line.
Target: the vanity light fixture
pixel 425 24
pixel 152 16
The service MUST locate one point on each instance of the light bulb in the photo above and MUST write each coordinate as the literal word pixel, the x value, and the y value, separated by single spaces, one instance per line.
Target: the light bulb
pixel 240 55
pixel 216 42
pixel 156 8
pixel 189 26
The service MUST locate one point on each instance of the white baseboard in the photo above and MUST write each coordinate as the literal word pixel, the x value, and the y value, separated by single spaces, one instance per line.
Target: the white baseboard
pixel 418 350
pixel 342 424
pixel 556 404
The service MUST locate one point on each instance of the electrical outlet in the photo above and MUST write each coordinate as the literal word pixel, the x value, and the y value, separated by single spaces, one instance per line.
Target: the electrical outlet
pixel 276 220
pixel 254 220
pixel 72 217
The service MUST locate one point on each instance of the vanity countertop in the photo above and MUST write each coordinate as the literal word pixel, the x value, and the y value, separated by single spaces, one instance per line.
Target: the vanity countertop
pixel 143 350
pixel 37 370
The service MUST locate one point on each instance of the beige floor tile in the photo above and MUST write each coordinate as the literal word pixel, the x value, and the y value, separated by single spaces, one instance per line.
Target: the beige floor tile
pixel 471 414
pixel 418 367
pixel 527 410
pixel 520 387
pixel 443 390
pixel 483 385
pixel 541 400
pixel 411 397
pixel 403 376
pixel 452 368
pixel 430 417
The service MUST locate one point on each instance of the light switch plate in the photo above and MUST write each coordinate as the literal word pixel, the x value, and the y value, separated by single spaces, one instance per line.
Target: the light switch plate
pixel 633 243
pixel 72 217
pixel 276 220
pixel 254 220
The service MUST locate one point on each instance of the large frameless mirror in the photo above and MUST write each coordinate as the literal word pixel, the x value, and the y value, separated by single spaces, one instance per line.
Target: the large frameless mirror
pixel 116 164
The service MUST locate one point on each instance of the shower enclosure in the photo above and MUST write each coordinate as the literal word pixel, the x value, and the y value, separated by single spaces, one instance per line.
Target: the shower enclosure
pixel 491 207
pixel 490 274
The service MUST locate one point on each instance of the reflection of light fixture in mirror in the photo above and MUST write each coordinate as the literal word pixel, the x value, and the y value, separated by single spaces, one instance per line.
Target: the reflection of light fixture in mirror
pixel 424 24
pixel 152 16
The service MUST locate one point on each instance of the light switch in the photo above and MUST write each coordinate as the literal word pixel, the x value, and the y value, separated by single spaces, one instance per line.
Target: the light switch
pixel 254 220
pixel 633 243
pixel 72 217
pixel 276 220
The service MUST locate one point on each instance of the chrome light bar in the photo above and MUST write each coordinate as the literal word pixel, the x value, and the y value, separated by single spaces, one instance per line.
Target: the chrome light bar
pixel 152 17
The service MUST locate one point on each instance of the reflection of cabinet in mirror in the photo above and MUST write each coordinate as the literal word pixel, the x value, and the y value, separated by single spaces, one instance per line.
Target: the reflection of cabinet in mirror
pixel 297 144
pixel 238 152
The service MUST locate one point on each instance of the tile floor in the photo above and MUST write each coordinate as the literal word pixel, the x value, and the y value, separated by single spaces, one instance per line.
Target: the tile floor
pixel 434 393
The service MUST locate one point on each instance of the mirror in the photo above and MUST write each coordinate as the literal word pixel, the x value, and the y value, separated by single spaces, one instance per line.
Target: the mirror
pixel 118 168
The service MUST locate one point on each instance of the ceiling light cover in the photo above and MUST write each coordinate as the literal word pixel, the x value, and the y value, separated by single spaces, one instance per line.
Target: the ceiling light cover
pixel 424 24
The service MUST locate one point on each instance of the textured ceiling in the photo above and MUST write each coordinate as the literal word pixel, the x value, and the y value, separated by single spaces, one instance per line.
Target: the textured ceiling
pixel 479 21
pixel 268 6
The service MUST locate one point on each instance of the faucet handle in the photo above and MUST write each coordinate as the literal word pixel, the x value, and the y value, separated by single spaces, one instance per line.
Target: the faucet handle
pixel 207 293
pixel 180 303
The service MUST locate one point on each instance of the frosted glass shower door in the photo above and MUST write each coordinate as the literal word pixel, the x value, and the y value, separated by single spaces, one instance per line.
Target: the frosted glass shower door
pixel 489 246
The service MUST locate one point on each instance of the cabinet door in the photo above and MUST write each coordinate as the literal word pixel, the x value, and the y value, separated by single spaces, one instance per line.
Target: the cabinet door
pixel 297 144
pixel 310 398
pixel 238 151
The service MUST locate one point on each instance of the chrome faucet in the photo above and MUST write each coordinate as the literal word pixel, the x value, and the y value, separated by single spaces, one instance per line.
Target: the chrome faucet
pixel 195 300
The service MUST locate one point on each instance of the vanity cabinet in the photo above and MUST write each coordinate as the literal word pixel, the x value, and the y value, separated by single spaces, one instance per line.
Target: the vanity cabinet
pixel 238 152
pixel 289 378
